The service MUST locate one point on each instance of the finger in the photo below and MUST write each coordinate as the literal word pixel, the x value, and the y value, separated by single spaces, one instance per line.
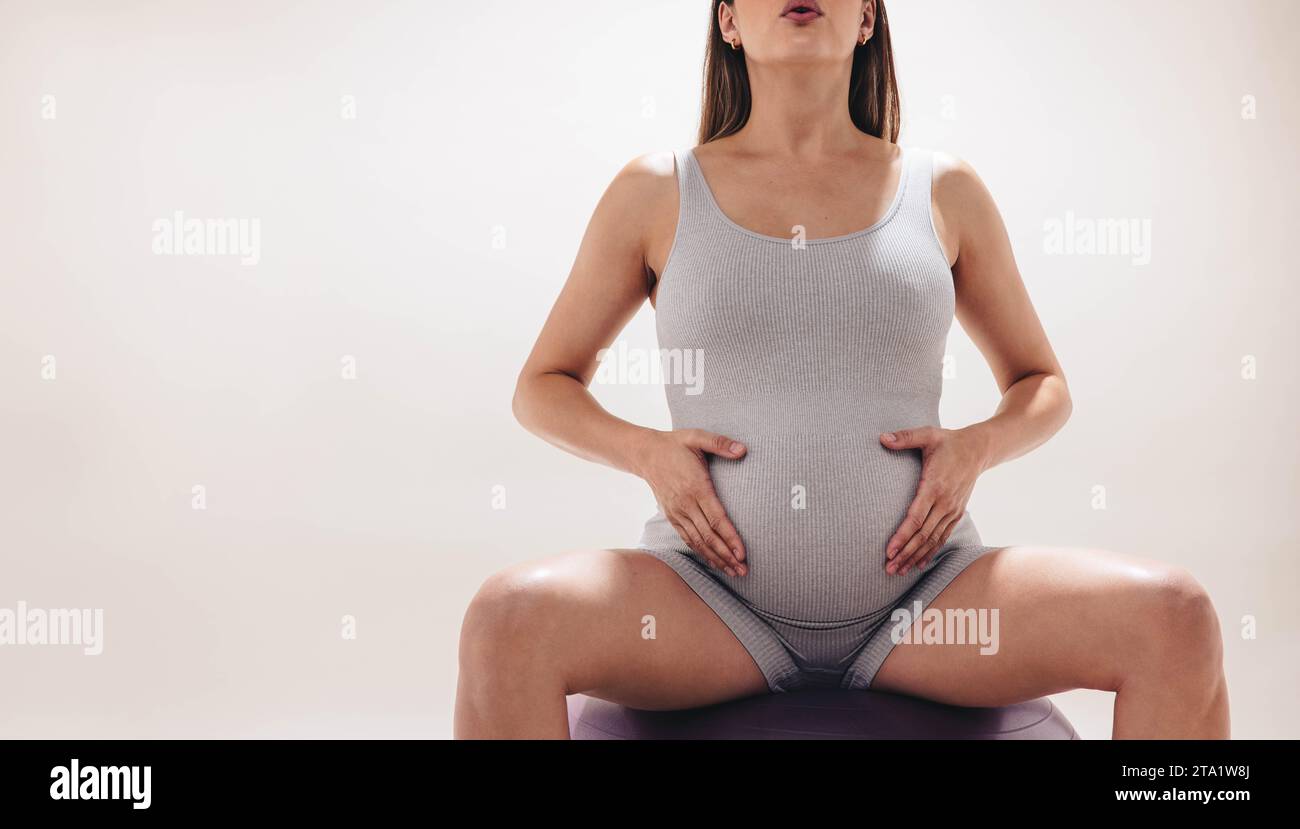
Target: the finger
pixel 721 524
pixel 698 544
pixel 939 538
pixel 908 555
pixel 687 533
pixel 912 522
pixel 917 438
pixel 686 529
pixel 714 444
pixel 944 535
pixel 712 539
pixel 918 541
pixel 921 542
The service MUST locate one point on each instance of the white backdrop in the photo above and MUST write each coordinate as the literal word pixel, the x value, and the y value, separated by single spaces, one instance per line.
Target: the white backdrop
pixel 420 175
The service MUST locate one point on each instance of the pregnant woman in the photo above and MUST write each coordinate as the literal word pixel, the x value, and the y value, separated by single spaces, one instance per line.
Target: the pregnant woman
pixel 807 489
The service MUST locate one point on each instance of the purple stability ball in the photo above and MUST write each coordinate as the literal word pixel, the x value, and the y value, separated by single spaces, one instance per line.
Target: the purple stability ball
pixel 820 715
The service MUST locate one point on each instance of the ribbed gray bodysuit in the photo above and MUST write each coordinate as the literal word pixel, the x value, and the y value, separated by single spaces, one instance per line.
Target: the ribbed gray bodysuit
pixel 808 355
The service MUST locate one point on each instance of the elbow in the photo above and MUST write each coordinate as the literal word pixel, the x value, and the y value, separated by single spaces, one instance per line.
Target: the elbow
pixel 1067 402
pixel 533 396
pixel 518 401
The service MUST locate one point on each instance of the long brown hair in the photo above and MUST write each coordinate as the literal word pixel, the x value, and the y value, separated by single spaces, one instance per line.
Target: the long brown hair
pixel 873 86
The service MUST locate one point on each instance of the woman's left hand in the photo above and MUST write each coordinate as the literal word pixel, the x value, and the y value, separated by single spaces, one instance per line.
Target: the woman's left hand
pixel 951 461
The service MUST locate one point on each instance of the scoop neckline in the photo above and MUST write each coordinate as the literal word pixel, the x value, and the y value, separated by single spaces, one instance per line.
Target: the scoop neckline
pixel 785 240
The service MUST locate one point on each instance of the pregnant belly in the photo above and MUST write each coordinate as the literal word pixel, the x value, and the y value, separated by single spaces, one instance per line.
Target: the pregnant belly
pixel 815 513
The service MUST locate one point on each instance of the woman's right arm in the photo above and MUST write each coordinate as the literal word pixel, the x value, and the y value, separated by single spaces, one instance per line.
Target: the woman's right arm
pixel 608 283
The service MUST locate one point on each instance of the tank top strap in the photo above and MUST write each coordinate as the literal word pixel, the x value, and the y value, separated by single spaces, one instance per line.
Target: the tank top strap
pixel 918 172
pixel 692 190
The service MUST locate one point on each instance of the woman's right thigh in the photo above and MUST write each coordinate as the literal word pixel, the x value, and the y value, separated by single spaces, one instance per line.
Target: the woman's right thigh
pixel 620 625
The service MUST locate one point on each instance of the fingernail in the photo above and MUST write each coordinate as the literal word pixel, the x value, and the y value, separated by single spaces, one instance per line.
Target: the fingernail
pixel 889 436
pixel 891 552
pixel 740 554
pixel 731 572
pixel 742 570
pixel 736 448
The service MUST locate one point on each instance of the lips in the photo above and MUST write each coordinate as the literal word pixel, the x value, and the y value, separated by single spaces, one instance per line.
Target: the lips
pixel 802 10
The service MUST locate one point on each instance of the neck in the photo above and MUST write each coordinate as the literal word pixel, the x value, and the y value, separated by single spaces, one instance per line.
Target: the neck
pixel 799 111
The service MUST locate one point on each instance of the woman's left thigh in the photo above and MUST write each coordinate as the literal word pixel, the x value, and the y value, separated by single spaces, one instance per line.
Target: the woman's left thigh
pixel 1065 618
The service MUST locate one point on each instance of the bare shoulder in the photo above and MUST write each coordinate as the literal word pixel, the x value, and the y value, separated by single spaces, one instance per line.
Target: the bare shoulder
pixel 637 205
pixel 963 209
pixel 642 201
pixel 645 178
pixel 635 201
pixel 956 184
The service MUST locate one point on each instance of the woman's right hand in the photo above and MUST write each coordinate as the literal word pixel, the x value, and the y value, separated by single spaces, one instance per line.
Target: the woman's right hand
pixel 674 465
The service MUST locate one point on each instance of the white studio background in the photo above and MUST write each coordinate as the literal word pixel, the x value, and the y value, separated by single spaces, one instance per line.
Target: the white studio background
pixel 421 174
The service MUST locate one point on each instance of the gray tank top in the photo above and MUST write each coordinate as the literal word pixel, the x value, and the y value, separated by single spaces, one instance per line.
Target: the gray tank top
pixel 806 354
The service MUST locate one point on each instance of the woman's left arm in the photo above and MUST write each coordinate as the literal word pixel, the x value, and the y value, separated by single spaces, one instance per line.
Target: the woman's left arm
pixel 994 310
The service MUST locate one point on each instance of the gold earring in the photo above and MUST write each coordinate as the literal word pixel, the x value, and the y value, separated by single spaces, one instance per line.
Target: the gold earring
pixel 733 43
pixel 863 42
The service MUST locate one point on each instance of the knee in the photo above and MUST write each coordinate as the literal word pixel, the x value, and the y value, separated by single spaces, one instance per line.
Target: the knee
pixel 509 615
pixel 1182 623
